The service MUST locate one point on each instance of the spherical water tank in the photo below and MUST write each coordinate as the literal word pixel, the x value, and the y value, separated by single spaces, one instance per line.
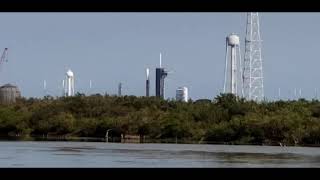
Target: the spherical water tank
pixel 9 93
pixel 69 73
pixel 233 40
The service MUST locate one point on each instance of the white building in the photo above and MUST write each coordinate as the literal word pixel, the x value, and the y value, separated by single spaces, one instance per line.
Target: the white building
pixel 69 83
pixel 182 94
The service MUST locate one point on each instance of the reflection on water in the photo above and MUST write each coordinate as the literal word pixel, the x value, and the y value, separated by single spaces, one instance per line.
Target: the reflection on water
pixel 90 154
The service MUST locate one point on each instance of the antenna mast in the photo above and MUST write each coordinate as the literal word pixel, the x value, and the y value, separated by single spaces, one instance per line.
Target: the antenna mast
pixel 253 72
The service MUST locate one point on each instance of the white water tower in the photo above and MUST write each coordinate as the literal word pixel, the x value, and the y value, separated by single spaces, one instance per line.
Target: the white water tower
pixel 69 83
pixel 233 69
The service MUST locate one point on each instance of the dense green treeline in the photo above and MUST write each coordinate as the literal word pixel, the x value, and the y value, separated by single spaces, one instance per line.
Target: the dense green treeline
pixel 226 119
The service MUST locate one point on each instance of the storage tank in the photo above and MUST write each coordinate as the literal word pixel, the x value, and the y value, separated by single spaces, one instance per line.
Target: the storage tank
pixel 233 40
pixel 182 94
pixel 9 93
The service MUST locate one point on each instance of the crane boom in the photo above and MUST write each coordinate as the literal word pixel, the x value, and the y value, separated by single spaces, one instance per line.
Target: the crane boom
pixel 4 56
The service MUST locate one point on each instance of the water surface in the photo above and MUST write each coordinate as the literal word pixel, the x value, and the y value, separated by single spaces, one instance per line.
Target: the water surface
pixel 100 154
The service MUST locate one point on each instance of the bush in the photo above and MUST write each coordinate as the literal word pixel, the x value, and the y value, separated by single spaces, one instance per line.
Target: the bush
pixel 226 119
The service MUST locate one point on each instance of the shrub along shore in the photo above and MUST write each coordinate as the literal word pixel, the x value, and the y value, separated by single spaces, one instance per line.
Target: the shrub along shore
pixel 225 119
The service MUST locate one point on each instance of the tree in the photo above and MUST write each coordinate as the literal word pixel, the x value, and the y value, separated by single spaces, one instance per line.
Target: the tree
pixel 63 123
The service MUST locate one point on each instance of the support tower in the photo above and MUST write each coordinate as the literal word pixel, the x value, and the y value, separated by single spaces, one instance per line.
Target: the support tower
pixel 161 74
pixel 253 72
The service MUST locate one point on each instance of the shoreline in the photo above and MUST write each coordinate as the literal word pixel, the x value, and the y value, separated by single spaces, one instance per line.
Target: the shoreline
pixel 146 141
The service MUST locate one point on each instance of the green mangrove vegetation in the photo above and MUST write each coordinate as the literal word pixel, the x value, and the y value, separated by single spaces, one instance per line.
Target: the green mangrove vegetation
pixel 225 119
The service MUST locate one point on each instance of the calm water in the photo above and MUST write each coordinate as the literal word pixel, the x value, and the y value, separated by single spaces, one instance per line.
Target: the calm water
pixel 92 154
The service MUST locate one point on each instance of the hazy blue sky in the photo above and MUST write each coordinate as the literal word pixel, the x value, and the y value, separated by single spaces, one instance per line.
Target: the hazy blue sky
pixel 117 47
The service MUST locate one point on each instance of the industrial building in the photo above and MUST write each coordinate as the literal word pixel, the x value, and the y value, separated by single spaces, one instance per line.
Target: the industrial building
pixel 9 93
pixel 182 94
pixel 161 74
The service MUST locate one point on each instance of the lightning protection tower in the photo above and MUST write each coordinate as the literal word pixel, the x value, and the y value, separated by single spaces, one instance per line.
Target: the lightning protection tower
pixel 147 82
pixel 253 72
pixel 119 89
pixel 232 75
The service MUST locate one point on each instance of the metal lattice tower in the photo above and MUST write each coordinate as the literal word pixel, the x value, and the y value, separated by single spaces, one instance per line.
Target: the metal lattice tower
pixel 253 72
